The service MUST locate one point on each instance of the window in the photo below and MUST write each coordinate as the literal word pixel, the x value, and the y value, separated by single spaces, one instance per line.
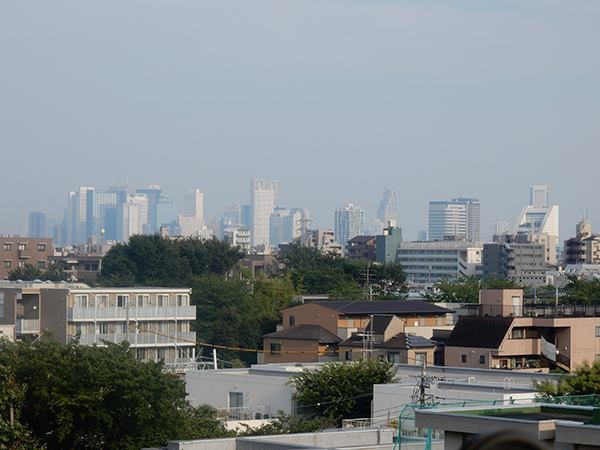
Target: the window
pixel 22 246
pixel 463 358
pixel 420 358
pixel 7 247
pixel 122 300
pixel 41 264
pixel 394 358
pixel 182 300
pixel 292 321
pixel 22 263
pixel 8 264
pixel 101 301
pixel 41 247
pixel 1 304
pixel 236 400
pixel 597 331
pixel 517 333
pixel 482 359
pixel 81 301
pixel 142 300
pixel 275 348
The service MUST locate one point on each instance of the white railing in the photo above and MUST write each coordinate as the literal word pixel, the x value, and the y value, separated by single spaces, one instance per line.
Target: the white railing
pixel 244 413
pixel 132 313
pixel 27 326
pixel 139 338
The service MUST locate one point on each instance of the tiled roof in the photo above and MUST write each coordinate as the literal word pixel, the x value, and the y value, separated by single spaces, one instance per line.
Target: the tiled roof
pixel 397 307
pixel 480 332
pixel 306 332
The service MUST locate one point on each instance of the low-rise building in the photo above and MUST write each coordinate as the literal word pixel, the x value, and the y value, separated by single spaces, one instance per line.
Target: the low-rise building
pixel 361 248
pixel 16 251
pixel 503 333
pixel 155 321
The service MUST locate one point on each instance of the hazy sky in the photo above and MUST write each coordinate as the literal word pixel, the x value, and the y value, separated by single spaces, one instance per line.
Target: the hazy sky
pixel 334 99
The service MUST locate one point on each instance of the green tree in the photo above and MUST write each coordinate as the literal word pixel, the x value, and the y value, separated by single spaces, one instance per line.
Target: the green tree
pixel 466 289
pixel 285 424
pixel 29 272
pixel 582 292
pixel 88 397
pixel 584 381
pixel 340 390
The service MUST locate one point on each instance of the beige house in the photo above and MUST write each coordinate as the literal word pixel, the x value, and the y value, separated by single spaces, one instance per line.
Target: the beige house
pixel 505 334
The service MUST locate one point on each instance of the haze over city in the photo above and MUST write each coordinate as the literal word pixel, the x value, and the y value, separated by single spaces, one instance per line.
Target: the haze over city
pixel 335 100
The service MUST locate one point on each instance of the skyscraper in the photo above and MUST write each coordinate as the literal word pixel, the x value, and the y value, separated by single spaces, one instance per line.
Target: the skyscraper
pixel 388 208
pixel 263 197
pixel 37 224
pixel 191 219
pixel 539 217
pixel 349 222
pixel 459 217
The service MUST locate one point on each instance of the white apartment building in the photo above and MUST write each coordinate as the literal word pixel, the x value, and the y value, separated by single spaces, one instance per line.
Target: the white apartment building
pixel 238 236
pixel 349 223
pixel 155 321
pixel 263 197
pixel 427 262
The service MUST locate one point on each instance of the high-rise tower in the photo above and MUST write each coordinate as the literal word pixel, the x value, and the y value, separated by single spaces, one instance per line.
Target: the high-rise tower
pixel 459 217
pixel 263 197
pixel 388 208
pixel 349 223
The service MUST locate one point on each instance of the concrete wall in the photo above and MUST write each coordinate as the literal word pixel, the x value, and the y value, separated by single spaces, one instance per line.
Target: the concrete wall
pixel 54 313
pixel 259 388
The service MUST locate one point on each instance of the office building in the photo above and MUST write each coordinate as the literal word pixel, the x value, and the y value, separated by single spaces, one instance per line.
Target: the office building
pixel 285 224
pixel 155 199
pixel 428 262
pixel 539 217
pixel 349 222
pixel 37 224
pixel 263 197
pixel 191 219
pixel 387 244
pixel 459 217
pixel 132 215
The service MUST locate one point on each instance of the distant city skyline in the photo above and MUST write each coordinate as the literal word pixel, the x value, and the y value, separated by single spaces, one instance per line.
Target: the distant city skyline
pixel 438 100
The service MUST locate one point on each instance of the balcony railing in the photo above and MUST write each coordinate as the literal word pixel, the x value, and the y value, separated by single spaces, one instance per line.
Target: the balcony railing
pixel 80 314
pixel 140 339
pixel 244 413
pixel 27 326
pixel 537 310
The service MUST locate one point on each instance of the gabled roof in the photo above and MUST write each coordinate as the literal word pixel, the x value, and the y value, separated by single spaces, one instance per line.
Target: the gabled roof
pixel 361 239
pixel 480 332
pixel 397 307
pixel 306 332
pixel 380 323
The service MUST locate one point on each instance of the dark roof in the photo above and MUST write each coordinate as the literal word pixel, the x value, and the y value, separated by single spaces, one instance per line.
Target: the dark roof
pixel 481 332
pixel 397 307
pixel 306 332
pixel 361 239
pixel 380 323
pixel 400 341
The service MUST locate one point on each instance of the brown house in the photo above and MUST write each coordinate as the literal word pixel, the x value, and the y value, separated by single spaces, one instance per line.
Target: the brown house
pixel 340 319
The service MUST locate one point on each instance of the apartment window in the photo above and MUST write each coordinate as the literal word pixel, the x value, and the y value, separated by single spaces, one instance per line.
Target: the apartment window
pixel 292 321
pixel 7 247
pixel 22 246
pixel 22 263
pixel 8 264
pixel 142 300
pixel 517 333
pixel 162 299
pixel 482 359
pixel 421 358
pixel 101 301
pixel 81 301
pixel 463 358
pixel 275 348
pixel 597 331
pixel 41 247
pixel 122 301
pixel 182 300
pixel 41 264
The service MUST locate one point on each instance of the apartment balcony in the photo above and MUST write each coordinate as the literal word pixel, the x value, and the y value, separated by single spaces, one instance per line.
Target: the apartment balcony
pixel 27 326
pixel 81 314
pixel 244 413
pixel 140 339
